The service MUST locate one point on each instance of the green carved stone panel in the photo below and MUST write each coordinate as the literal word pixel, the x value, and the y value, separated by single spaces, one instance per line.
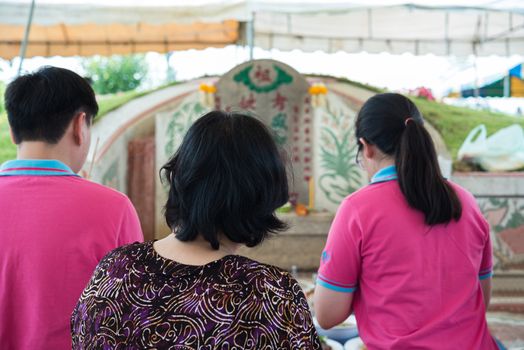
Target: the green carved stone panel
pixel 506 219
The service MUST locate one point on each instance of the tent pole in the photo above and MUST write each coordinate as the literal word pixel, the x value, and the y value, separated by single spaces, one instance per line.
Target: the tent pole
pixel 170 72
pixel 250 29
pixel 507 88
pixel 477 90
pixel 23 48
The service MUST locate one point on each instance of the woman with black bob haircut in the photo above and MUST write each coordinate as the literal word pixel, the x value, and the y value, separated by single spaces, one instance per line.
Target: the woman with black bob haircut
pixel 226 179
pixel 410 253
pixel 190 289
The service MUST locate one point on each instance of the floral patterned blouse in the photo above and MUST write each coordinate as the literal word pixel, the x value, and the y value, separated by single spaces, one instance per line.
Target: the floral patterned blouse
pixel 137 299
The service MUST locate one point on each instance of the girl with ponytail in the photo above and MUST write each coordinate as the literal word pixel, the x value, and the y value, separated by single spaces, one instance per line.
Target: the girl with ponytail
pixel 410 253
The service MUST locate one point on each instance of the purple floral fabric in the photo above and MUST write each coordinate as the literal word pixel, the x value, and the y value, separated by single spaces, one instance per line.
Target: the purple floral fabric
pixel 137 299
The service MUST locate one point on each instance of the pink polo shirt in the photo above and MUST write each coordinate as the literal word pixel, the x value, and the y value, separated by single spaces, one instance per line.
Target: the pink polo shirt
pixel 54 229
pixel 415 286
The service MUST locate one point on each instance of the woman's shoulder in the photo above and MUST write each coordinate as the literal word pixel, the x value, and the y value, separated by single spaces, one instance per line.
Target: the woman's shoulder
pixel 125 256
pixel 257 267
pixel 129 250
pixel 462 193
pixel 379 191
pixel 368 197
pixel 270 278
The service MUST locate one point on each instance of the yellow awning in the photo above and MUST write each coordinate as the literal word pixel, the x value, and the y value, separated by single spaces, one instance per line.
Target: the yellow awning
pixel 108 39
pixel 86 27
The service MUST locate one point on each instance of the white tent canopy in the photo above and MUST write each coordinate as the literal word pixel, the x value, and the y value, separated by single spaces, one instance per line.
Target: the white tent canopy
pixel 74 27
pixel 396 29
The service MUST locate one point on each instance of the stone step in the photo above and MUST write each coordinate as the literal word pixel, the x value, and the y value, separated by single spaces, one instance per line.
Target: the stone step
pixel 508 282
pixel 513 304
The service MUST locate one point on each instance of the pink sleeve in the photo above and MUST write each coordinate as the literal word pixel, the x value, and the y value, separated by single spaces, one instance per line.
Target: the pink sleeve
pixel 340 261
pixel 486 264
pixel 130 229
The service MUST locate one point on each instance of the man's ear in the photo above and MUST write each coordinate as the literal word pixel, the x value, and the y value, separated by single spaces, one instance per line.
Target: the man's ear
pixel 79 123
pixel 368 150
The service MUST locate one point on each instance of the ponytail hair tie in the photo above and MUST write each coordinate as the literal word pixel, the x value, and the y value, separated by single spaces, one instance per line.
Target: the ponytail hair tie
pixel 409 119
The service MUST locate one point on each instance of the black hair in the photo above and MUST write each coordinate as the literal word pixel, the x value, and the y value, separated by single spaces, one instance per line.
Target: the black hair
pixel 228 176
pixel 41 105
pixel 394 124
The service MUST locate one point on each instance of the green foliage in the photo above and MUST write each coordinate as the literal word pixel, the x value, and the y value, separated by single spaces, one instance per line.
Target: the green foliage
pixel 2 90
pixel 116 73
pixel 7 148
pixel 108 103
pixel 455 123
pixel 365 86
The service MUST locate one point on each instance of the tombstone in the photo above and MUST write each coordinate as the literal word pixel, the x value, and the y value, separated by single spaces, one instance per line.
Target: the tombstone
pixel 278 95
pixel 316 131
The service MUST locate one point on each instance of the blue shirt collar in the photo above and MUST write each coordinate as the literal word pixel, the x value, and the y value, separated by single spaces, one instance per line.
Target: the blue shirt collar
pixel 47 167
pixel 385 174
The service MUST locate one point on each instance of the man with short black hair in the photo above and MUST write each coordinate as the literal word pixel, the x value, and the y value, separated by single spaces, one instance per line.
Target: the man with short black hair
pixel 54 226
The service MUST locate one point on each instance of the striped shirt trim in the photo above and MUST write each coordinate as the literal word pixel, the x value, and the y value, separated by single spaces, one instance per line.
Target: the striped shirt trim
pixel 328 280
pixel 42 167
pixel 34 169
pixel 486 276
pixel 335 288
pixel 486 270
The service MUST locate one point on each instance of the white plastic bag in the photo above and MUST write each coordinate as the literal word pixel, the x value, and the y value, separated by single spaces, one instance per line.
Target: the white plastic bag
pixel 502 151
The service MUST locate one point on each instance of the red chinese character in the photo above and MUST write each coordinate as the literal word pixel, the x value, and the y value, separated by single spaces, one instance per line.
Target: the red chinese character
pixel 295 109
pixel 307 160
pixel 307 120
pixel 308 140
pixel 306 130
pixel 306 178
pixel 262 75
pixel 307 149
pixel 307 169
pixel 307 111
pixel 296 138
pixel 279 102
pixel 247 103
pixel 296 159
